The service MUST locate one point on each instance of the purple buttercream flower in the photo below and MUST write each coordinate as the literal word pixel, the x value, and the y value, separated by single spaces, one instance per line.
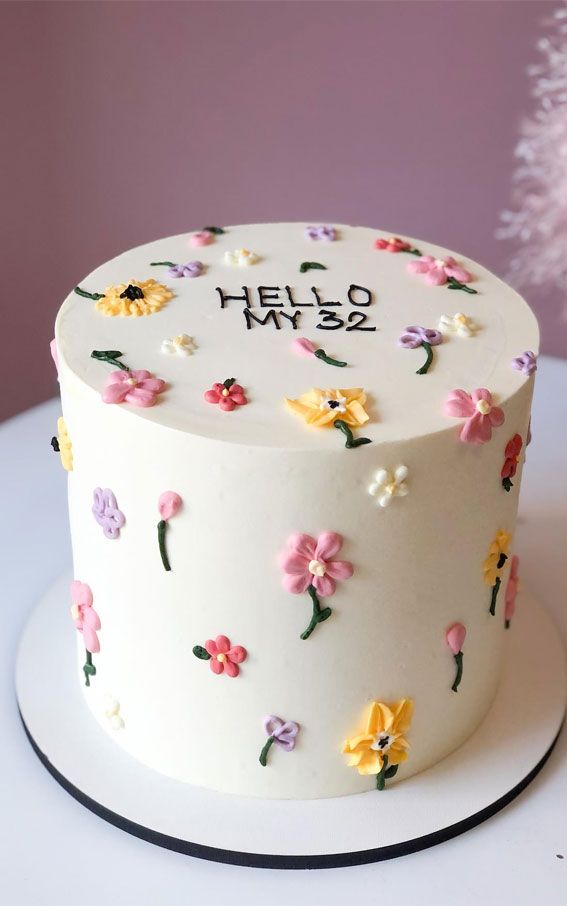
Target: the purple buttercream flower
pixel 321 232
pixel 192 269
pixel 281 732
pixel 526 362
pixel 106 512
pixel 421 336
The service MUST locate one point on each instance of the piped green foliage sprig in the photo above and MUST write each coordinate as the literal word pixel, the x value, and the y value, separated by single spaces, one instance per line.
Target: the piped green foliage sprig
pixel 87 295
pixel 111 356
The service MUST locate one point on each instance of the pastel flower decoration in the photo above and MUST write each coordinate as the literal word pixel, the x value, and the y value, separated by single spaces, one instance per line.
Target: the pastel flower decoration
pixel 182 344
pixel 139 297
pixel 54 353
pixel 241 257
pixel 455 638
pixel 511 460
pixel 326 233
pixel 112 713
pixel 381 747
pixel 227 396
pixel 479 411
pixel 200 238
pixel 106 512
pixel 526 363
pixel 281 732
pixel 494 564
pixel 61 444
pixel 414 337
pixel 303 346
pixel 87 622
pixel 191 269
pixel 169 504
pixel 393 244
pixel 309 565
pixel 512 588
pixel 139 388
pixel 387 485
pixel 223 657
pixel 342 409
pixel 441 271
pixel 459 324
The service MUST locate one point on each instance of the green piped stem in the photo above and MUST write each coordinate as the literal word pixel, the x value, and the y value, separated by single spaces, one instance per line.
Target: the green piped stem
pixel 217 231
pixel 89 668
pixel 110 356
pixel 86 295
pixel 494 595
pixel 459 662
pixel 161 529
pixel 425 367
pixel 350 442
pixel 319 615
pixel 507 484
pixel 506 624
pixel 321 354
pixel 385 773
pixel 452 283
pixel 264 753
pixel 163 264
pixel 415 252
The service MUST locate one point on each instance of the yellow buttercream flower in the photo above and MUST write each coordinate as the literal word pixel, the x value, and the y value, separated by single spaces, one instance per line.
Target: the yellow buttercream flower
pixel 322 408
pixel 499 548
pixel 139 297
pixel 382 746
pixel 65 445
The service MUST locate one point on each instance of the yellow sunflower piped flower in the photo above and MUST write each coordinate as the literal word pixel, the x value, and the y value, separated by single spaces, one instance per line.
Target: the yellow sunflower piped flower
pixel 382 747
pixel 494 564
pixel 62 445
pixel 343 409
pixel 139 297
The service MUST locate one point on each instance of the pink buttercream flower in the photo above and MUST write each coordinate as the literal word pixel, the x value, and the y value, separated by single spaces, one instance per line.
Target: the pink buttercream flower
pixel 480 414
pixel 136 387
pixel 438 271
pixel 311 562
pixel 200 238
pixel 303 346
pixel 455 638
pixel 512 589
pixel 224 657
pixel 393 244
pixel 84 615
pixel 54 353
pixel 168 504
pixel 227 396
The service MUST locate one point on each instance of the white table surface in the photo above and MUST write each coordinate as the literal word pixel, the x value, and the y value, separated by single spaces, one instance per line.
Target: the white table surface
pixel 54 851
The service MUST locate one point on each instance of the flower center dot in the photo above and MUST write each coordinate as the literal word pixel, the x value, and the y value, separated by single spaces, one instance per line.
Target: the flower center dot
pixel 317 568
pixel 484 407
pixel 221 658
pixel 131 381
pixel 225 392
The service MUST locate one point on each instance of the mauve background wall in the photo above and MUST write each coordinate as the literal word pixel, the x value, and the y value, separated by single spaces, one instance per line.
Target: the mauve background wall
pixel 124 121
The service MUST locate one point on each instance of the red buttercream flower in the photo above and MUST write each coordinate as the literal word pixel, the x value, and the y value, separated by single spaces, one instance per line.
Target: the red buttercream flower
pixel 227 396
pixel 225 657
pixel 393 244
pixel 512 456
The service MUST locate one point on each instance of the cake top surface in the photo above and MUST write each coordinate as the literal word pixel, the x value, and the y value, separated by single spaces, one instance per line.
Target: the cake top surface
pixel 330 285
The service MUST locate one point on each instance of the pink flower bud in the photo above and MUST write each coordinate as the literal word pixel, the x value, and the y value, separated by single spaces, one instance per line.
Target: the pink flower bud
pixel 54 356
pixel 303 346
pixel 455 637
pixel 168 504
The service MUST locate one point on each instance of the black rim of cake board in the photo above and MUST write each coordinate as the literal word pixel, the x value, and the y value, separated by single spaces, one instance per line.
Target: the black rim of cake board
pixel 262 860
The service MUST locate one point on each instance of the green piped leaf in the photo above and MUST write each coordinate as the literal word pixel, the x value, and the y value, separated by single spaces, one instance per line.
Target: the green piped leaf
pixel 201 653
pixel 218 231
pixel 311 266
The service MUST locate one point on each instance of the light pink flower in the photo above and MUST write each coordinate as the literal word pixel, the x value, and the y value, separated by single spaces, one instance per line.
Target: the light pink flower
pixel 512 587
pixel 311 562
pixel 438 270
pixel 224 656
pixel 303 346
pixel 54 354
pixel 136 387
pixel 168 504
pixel 455 637
pixel 84 615
pixel 200 238
pixel 480 414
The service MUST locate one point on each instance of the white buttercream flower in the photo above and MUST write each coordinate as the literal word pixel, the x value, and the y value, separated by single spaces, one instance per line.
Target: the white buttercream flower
pixel 387 485
pixel 112 713
pixel 179 345
pixel 241 257
pixel 460 324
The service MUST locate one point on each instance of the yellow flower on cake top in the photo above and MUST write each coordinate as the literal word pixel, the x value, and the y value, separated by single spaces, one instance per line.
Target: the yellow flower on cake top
pixel 497 556
pixel 382 747
pixel 139 297
pixel 62 445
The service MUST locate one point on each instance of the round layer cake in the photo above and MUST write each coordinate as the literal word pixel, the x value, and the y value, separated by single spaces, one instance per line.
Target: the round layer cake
pixel 294 456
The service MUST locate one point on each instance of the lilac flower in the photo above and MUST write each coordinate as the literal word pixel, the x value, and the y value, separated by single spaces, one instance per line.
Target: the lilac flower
pixel 192 269
pixel 321 232
pixel 526 362
pixel 281 732
pixel 106 512
pixel 414 337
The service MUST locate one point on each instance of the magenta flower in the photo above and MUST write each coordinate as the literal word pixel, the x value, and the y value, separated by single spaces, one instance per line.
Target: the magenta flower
pixel 221 655
pixel 327 233
pixel 455 638
pixel 512 588
pixel 414 337
pixel 87 622
pixel 309 565
pixel 106 512
pixel 169 504
pixel 440 271
pixel 480 414
pixel 306 347
pixel 282 733
pixel 192 269
pixel 136 387
pixel 227 396
pixel 526 362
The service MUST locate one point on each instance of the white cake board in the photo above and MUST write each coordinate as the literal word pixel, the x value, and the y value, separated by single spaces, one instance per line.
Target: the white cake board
pixel 469 786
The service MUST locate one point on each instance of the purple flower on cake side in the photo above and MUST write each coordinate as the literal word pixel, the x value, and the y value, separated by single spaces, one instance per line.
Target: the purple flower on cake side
pixel 526 363
pixel 106 512
pixel 327 233
pixel 281 732
pixel 414 337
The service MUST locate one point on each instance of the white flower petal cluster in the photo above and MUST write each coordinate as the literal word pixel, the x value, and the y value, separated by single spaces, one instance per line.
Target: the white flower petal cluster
pixel 112 713
pixel 387 485
pixel 182 344
pixel 460 324
pixel 241 257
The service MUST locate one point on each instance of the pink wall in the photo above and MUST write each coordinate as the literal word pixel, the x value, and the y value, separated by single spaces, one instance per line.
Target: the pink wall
pixel 133 120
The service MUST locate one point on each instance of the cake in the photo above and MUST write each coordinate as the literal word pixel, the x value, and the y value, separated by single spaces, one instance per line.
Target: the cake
pixel 294 454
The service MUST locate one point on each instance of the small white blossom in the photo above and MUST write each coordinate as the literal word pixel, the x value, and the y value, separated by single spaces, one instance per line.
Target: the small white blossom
pixel 179 345
pixel 387 485
pixel 460 324
pixel 241 257
pixel 112 713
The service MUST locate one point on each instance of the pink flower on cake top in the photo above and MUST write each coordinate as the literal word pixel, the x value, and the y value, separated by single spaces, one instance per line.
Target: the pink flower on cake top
pixel 526 363
pixel 106 512
pixel 200 238
pixel 223 657
pixel 139 388
pixel 479 412
pixel 441 271
pixel 87 622
pixel 227 396
pixel 303 346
